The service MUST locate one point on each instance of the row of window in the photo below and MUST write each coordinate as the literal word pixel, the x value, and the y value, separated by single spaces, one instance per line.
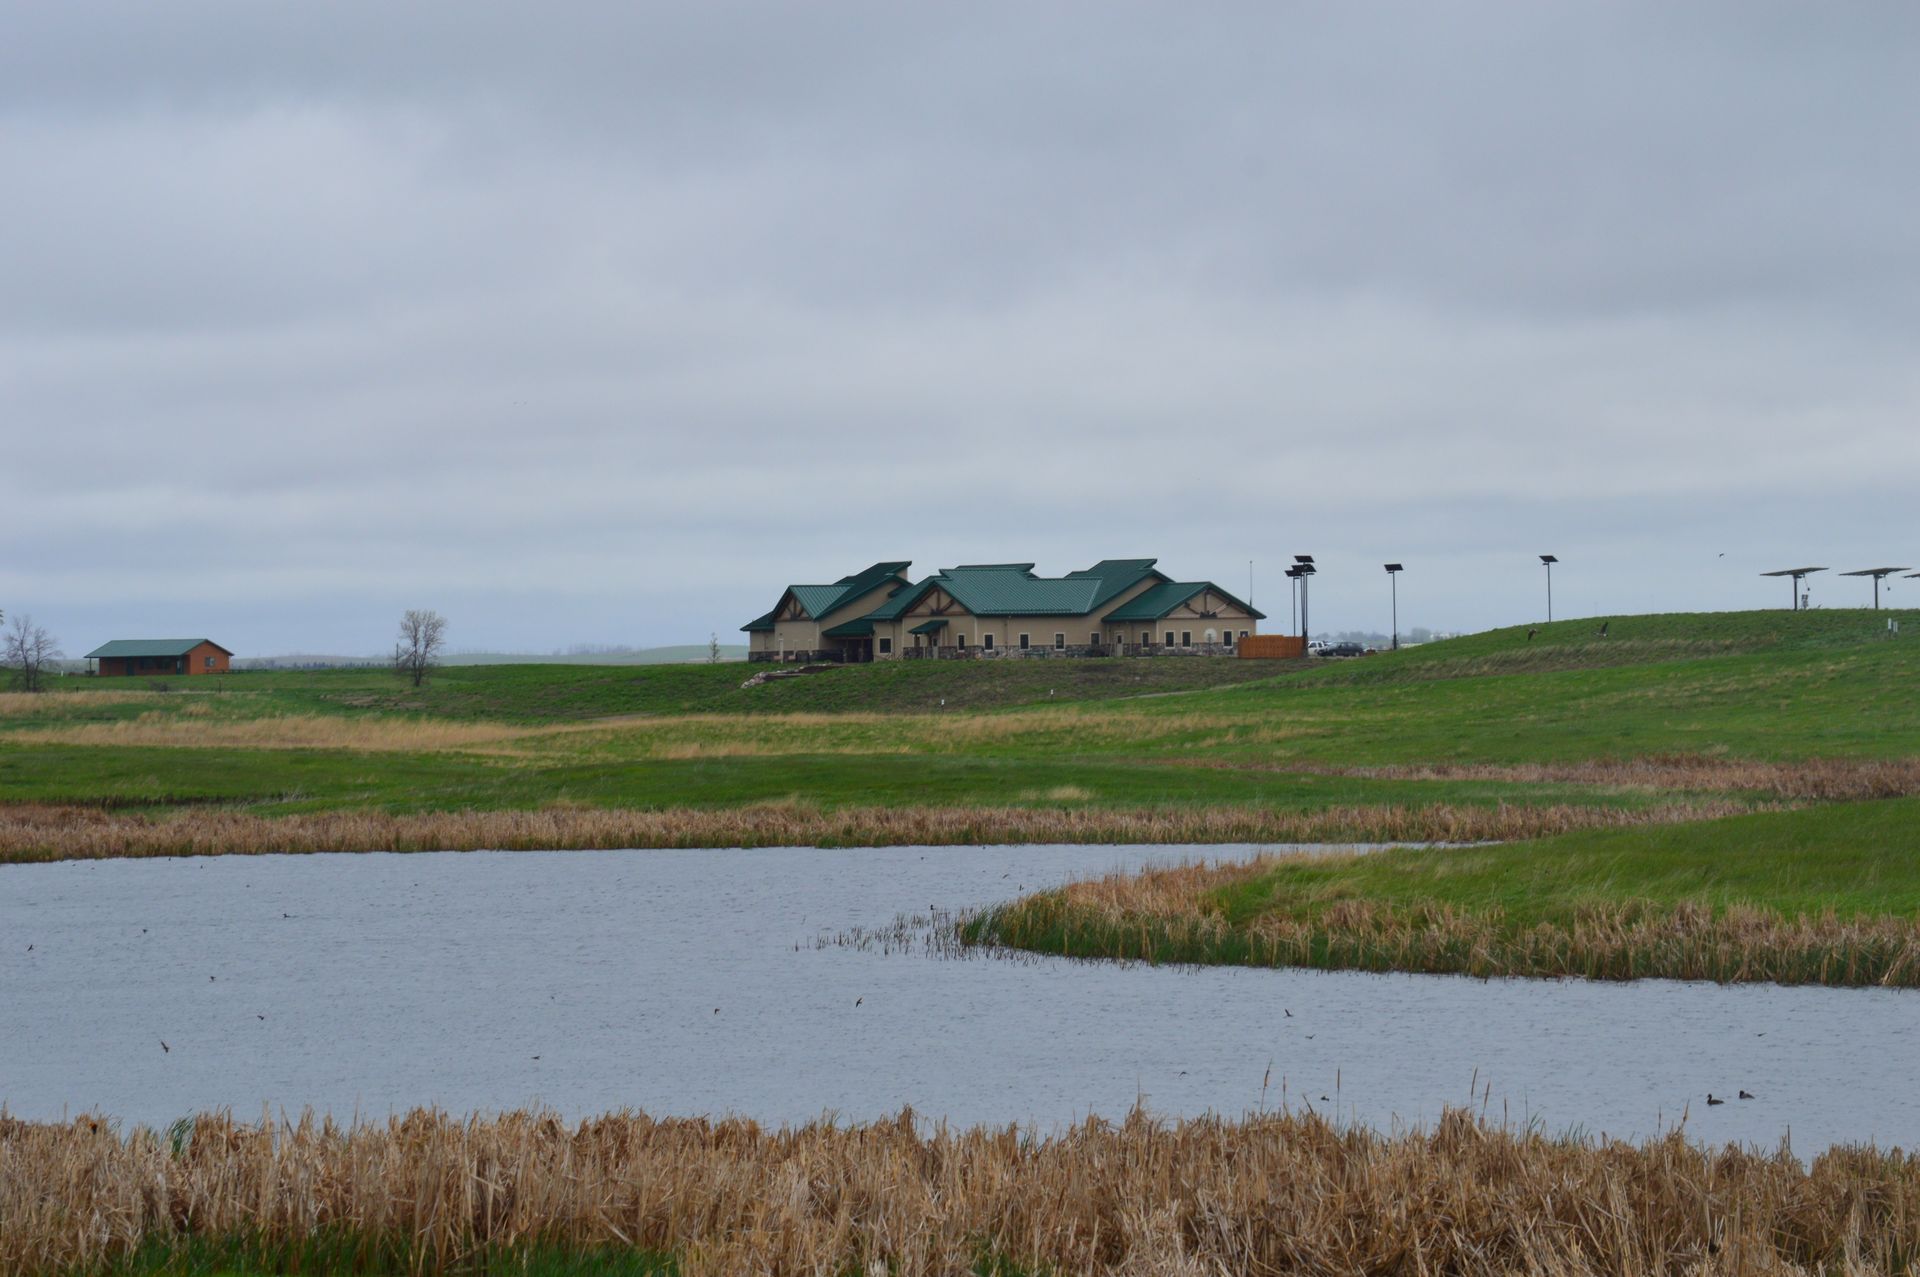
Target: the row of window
pixel 1060 640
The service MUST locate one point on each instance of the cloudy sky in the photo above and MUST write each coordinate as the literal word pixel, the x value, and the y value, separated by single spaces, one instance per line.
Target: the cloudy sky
pixel 601 323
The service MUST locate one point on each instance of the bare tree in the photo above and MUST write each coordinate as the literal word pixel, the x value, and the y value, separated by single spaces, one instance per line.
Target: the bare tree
pixel 25 648
pixel 422 635
pixel 713 649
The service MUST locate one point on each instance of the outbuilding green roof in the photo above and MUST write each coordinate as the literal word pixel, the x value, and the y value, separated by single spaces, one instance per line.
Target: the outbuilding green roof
pixel 1163 598
pixel 149 647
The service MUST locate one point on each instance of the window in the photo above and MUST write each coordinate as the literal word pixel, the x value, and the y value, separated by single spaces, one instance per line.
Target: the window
pixel 986 641
pixel 1186 638
pixel 1146 638
pixel 1059 642
pixel 1243 633
pixel 886 647
pixel 1095 640
pixel 960 641
pixel 1169 638
pixel 209 662
pixel 1026 641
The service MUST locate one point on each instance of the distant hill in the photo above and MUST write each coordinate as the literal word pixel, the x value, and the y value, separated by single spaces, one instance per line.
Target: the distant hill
pixel 683 654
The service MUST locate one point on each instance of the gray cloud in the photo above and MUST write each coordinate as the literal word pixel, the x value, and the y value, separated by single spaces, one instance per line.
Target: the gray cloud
pixel 604 328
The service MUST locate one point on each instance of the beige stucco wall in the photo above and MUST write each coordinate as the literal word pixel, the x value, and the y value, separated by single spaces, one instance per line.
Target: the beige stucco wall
pixel 1006 630
pixel 795 632
pixel 1187 619
pixel 1079 630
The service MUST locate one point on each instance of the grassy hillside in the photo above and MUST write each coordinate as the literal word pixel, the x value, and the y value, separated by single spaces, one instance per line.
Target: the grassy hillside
pixel 679 654
pixel 1665 717
pixel 532 692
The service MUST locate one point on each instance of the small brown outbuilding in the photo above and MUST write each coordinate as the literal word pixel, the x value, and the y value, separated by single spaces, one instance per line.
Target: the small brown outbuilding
pixel 161 656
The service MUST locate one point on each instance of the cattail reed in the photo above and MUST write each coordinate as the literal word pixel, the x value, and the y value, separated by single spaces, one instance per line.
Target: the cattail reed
pixel 1270 1193
pixel 39 832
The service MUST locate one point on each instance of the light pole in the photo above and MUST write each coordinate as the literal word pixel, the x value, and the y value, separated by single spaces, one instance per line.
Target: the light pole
pixel 1293 578
pixel 1393 585
pixel 1549 560
pixel 1303 564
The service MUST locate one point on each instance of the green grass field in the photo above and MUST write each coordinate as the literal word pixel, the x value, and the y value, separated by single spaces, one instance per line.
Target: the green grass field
pixel 1128 733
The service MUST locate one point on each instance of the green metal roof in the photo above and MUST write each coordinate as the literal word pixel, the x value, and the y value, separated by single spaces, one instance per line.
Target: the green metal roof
pixel 866 580
pixel 1021 594
pixel 897 604
pixel 1013 590
pixel 1003 589
pixel 1168 595
pixel 149 647
pixel 849 629
pixel 1116 576
pixel 823 600
pixel 818 600
pixel 934 626
pixel 996 591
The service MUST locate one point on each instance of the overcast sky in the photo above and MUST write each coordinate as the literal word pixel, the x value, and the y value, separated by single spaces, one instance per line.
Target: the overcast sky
pixel 602 323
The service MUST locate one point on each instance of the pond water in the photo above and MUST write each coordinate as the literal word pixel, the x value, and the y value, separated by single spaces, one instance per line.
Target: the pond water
pixel 689 982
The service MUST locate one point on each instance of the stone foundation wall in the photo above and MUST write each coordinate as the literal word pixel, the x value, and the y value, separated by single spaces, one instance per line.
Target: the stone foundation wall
pixel 1072 651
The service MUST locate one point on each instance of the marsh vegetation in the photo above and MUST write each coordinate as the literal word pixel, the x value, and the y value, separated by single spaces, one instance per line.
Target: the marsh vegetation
pixel 1271 1192
pixel 1826 895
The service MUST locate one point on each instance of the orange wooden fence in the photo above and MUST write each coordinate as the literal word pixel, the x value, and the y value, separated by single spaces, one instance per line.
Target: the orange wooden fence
pixel 1273 647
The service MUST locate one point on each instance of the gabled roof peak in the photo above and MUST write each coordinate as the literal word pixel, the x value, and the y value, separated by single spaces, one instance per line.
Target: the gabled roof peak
pixel 1116 567
pixel 820 601
pixel 878 572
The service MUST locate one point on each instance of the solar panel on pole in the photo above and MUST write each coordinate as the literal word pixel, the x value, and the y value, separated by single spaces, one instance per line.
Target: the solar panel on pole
pixel 1798 575
pixel 1878 574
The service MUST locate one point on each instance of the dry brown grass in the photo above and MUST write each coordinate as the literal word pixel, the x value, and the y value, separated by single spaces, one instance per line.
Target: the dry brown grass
pixel 185 728
pixel 1811 780
pixel 35 833
pixel 1274 1193
pixel 47 705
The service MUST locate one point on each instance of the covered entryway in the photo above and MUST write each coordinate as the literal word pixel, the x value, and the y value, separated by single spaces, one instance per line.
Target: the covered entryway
pixel 851 642
pixel 926 637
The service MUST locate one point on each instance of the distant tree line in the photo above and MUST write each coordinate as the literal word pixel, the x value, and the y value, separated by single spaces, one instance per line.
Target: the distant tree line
pixel 1374 638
